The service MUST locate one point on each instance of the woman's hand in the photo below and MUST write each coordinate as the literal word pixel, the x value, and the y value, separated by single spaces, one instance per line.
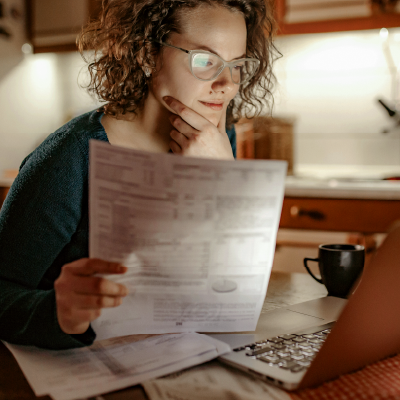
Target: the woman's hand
pixel 80 295
pixel 195 136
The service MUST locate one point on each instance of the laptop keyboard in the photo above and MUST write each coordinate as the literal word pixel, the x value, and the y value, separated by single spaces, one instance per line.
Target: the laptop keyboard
pixel 292 352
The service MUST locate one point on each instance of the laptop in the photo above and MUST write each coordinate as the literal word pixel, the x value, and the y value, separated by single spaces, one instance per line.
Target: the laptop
pixel 316 341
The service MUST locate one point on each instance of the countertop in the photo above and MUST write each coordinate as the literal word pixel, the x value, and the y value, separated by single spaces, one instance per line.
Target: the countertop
pixel 337 181
pixel 344 182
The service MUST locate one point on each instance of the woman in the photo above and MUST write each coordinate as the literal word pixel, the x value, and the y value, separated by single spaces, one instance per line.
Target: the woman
pixel 167 71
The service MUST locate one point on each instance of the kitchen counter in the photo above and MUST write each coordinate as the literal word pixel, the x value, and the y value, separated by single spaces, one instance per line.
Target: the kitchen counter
pixel 342 188
pixel 342 198
pixel 344 182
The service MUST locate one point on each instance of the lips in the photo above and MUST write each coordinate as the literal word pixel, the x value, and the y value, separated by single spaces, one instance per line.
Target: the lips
pixel 213 104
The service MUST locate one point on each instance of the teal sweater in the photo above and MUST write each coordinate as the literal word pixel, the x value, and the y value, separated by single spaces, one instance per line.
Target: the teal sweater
pixel 44 225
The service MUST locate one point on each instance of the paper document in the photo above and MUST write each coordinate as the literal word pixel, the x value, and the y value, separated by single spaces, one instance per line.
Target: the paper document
pixel 198 236
pixel 112 364
pixel 212 381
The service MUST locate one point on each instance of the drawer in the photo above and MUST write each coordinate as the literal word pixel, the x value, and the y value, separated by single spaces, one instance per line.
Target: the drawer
pixel 346 215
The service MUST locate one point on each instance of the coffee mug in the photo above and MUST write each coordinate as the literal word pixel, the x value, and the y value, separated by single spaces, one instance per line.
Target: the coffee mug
pixel 339 265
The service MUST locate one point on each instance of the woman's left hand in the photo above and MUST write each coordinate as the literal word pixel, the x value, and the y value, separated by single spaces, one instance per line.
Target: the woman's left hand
pixel 195 136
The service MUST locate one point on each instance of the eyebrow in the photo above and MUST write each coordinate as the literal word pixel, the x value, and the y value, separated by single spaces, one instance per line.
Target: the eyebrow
pixel 200 47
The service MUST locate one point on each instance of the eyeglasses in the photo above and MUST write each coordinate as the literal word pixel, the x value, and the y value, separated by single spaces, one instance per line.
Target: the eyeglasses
pixel 206 66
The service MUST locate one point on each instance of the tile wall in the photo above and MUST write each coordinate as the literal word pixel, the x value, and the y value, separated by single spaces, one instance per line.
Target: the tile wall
pixel 330 83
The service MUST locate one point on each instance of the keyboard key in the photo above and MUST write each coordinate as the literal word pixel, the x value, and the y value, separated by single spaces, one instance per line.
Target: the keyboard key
pixel 269 357
pixel 283 354
pixel 275 340
pixel 288 342
pixel 287 336
pixel 262 350
pixel 299 339
pixel 288 365
pixel 316 341
pixel 297 357
pixel 268 360
pixel 312 336
pixel 304 363
pixel 305 346
pixel 278 346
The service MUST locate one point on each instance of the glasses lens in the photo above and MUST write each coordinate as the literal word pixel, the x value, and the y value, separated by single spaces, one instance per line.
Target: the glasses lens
pixel 206 66
pixel 244 70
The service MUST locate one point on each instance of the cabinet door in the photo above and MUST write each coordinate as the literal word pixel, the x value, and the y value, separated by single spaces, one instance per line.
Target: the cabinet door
pixel 317 16
pixel 53 25
pixel 344 215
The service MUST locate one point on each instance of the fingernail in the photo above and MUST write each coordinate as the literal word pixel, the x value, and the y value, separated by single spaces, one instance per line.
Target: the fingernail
pixel 167 99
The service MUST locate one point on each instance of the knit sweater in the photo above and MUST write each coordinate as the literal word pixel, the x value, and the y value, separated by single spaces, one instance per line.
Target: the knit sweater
pixel 44 225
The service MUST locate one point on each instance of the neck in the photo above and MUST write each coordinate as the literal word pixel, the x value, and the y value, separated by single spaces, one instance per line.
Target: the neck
pixel 149 130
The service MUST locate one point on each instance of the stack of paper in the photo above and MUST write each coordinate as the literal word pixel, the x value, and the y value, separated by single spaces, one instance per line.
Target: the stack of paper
pixel 112 364
pixel 314 10
pixel 198 237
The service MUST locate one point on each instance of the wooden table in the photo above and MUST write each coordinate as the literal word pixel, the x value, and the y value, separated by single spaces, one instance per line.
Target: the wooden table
pixel 284 289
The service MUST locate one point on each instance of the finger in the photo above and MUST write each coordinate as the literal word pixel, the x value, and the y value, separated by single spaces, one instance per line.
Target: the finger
pixel 182 126
pixel 90 266
pixel 80 317
pixel 176 149
pixel 194 119
pixel 93 302
pixel 180 139
pixel 95 285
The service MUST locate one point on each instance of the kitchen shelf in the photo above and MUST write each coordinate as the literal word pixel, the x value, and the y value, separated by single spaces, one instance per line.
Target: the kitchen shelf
pixel 377 20
pixel 54 26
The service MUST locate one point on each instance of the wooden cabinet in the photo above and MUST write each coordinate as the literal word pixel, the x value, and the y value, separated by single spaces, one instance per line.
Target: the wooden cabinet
pixel 344 215
pixel 382 14
pixel 53 25
pixel 3 194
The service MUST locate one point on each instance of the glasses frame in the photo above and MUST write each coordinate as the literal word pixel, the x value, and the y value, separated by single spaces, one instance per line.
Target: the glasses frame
pixel 230 64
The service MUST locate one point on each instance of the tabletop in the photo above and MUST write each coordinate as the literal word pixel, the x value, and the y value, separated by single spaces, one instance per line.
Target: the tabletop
pixel 284 289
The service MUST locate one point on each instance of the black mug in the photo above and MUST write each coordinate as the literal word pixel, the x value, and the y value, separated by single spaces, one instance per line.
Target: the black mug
pixel 339 265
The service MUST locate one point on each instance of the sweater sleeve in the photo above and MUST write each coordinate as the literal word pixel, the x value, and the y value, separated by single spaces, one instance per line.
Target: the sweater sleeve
pixel 38 219
pixel 232 138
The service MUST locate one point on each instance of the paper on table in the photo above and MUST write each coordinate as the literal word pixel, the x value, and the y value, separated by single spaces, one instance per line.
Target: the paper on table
pixel 198 236
pixel 112 364
pixel 212 382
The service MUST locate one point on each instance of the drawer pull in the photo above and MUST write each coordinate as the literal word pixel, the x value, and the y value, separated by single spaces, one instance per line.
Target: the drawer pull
pixel 297 212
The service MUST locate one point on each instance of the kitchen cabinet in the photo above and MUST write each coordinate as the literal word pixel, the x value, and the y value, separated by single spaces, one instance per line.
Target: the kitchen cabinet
pixel 381 14
pixel 3 194
pixel 366 216
pixel 53 25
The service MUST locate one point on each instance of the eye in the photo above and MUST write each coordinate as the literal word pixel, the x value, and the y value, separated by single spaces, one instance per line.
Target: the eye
pixel 203 61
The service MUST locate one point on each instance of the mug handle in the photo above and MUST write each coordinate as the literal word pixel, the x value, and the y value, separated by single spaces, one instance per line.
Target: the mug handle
pixel 308 269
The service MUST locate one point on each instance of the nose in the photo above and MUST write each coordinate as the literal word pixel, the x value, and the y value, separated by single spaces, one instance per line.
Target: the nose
pixel 223 83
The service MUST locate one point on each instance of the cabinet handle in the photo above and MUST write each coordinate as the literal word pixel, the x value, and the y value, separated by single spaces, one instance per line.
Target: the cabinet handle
pixel 297 212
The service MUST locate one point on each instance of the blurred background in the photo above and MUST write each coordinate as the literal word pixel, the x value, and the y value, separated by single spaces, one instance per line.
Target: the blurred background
pixel 339 58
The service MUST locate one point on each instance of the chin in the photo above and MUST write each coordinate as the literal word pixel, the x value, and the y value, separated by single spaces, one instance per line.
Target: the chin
pixel 213 118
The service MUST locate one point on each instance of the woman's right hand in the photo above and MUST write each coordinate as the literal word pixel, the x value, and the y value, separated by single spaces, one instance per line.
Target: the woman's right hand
pixel 80 295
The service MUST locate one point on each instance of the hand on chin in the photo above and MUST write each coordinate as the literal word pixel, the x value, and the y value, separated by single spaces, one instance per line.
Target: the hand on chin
pixel 195 135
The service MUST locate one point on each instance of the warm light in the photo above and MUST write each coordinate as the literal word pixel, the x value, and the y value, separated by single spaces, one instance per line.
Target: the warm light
pixel 384 33
pixel 27 48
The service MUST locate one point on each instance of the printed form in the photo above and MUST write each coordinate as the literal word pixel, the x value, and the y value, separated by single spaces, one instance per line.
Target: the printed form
pixel 198 237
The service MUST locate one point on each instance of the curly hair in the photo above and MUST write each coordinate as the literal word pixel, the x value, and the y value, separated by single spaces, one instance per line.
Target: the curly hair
pixel 123 41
